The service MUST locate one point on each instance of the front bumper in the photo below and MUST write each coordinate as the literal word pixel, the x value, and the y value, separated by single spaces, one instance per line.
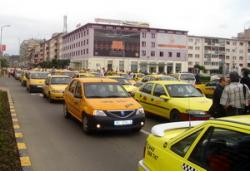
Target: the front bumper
pixel 36 88
pixel 193 117
pixel 108 123
pixel 142 166
pixel 56 96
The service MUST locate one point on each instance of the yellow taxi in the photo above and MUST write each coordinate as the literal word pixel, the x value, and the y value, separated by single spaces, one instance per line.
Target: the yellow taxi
pixel 174 100
pixel 54 87
pixel 35 81
pixel 83 75
pixel 215 145
pixel 154 77
pixel 208 88
pixel 125 83
pixel 102 104
pixel 23 77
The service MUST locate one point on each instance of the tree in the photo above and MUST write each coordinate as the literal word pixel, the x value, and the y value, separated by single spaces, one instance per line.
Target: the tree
pixel 200 67
pixel 3 63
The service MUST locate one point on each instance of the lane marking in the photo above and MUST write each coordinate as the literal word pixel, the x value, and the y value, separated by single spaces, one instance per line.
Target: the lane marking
pixel 21 146
pixel 25 161
pixel 18 135
pixel 144 132
pixel 16 126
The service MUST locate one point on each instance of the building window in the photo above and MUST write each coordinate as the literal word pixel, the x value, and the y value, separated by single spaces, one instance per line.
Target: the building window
pixel 144 34
pixel 143 53
pixel 178 55
pixel 197 56
pixel 234 57
pixel 228 42
pixel 152 44
pixel 241 58
pixel 143 44
pixel 84 33
pixel 241 51
pixel 233 50
pixel 152 35
pixel 190 47
pixel 152 53
pixel 241 43
pixel 87 42
pixel 161 54
pixel 83 51
pixel 227 50
pixel 190 55
pixel 190 63
pixel 170 54
pixel 234 43
pixel 87 32
pixel 197 48
pixel 227 57
pixel 190 40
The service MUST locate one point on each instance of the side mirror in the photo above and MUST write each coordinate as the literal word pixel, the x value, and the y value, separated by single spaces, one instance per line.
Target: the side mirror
pixel 164 97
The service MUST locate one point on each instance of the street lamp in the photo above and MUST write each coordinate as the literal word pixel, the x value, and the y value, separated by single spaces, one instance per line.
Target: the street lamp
pixel 1 37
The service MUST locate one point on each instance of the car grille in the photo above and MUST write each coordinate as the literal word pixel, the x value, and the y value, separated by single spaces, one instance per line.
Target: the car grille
pixel 120 113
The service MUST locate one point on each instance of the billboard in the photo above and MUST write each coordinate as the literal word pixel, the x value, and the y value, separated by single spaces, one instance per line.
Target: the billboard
pixel 116 43
pixel 173 41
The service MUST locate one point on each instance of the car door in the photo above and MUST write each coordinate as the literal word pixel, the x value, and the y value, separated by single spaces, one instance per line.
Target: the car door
pixel 46 86
pixel 161 105
pixel 77 100
pixel 175 157
pixel 145 96
pixel 70 97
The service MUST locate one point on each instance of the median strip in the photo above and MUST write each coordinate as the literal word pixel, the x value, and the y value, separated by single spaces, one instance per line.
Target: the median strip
pixel 21 146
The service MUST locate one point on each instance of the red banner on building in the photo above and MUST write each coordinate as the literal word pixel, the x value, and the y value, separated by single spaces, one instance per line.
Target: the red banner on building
pixel 2 48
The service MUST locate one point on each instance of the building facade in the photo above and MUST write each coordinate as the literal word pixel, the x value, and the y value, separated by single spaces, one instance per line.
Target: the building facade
pixel 217 55
pixel 126 48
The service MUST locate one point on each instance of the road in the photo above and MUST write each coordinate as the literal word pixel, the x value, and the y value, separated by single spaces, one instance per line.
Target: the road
pixel 55 143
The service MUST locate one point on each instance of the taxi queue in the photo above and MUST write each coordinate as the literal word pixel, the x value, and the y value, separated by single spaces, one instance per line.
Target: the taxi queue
pixel 107 103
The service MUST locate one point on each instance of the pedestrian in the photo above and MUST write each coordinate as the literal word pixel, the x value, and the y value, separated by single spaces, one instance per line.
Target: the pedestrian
pixel 102 72
pixel 197 79
pixel 234 98
pixel 245 79
pixel 217 110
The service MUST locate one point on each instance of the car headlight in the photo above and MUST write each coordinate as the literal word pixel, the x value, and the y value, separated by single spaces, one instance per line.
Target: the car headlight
pixel 196 112
pixel 140 111
pixel 99 113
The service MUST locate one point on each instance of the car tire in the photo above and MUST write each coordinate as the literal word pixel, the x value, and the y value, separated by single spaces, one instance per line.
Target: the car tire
pixel 65 112
pixel 50 99
pixel 137 129
pixel 175 116
pixel 85 124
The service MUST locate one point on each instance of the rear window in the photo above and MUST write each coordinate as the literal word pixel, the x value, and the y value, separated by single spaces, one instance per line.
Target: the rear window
pixel 104 90
pixel 60 80
pixel 39 75
pixel 187 77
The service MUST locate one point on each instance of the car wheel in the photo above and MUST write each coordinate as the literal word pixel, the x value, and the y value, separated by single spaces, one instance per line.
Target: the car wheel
pixel 65 112
pixel 50 99
pixel 85 124
pixel 175 116
pixel 137 129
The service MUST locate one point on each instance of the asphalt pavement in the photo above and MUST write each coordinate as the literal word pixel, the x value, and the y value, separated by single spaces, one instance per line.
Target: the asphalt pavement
pixel 55 143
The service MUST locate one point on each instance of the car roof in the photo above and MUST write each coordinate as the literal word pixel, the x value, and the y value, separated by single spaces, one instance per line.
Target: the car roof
pixel 96 80
pixel 115 76
pixel 63 76
pixel 38 72
pixel 169 82
pixel 240 119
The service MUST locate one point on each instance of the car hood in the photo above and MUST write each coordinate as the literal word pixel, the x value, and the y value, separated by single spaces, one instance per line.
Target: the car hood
pixel 113 104
pixel 192 103
pixel 59 87
pixel 37 81
pixel 130 88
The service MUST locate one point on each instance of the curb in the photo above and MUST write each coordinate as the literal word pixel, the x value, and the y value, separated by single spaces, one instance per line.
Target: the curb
pixel 21 146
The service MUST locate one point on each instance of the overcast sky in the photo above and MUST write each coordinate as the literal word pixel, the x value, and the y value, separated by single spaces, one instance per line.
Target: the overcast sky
pixel 39 19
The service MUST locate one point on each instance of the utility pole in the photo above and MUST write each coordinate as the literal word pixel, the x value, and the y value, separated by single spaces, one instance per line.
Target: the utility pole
pixel 1 45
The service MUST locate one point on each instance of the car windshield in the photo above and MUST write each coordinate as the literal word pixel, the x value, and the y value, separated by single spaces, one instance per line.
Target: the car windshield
pixel 39 75
pixel 165 78
pixel 70 74
pixel 122 81
pixel 187 77
pixel 104 90
pixel 183 90
pixel 60 80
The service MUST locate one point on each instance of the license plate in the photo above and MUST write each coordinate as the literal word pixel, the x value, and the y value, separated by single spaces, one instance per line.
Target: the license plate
pixel 39 86
pixel 123 122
